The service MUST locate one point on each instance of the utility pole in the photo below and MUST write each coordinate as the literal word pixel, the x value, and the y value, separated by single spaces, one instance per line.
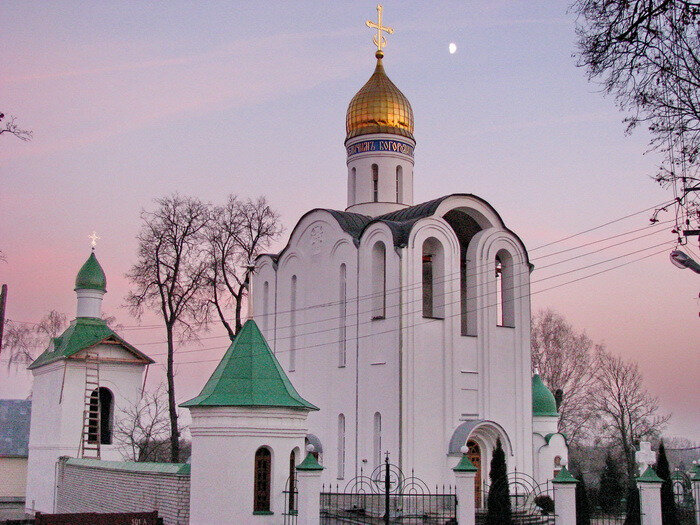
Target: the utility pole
pixel 3 300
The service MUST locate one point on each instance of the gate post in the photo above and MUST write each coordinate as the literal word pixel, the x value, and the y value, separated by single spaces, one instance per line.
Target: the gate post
pixel 465 472
pixel 564 497
pixel 650 497
pixel 309 489
pixel 696 493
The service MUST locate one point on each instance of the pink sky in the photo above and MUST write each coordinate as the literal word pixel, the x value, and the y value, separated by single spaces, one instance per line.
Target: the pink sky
pixel 130 101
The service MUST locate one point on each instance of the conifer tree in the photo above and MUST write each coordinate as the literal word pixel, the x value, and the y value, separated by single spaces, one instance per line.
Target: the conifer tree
pixel 583 511
pixel 634 511
pixel 669 514
pixel 498 502
pixel 610 486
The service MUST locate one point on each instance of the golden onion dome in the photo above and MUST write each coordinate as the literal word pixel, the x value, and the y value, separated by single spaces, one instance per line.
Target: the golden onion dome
pixel 379 107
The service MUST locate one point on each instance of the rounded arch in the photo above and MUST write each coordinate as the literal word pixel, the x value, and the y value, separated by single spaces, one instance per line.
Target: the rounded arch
pixel 102 404
pixel 262 479
pixel 378 273
pixel 484 432
pixel 433 278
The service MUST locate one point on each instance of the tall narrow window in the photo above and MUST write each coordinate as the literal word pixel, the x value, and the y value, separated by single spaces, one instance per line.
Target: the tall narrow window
pixel 341 446
pixel 263 471
pixel 266 306
pixel 101 405
pixel 343 307
pixel 375 183
pixel 377 439
pixel 433 279
pixel 293 325
pixel 353 186
pixel 505 289
pixel 378 281
pixel 399 184
pixel 292 480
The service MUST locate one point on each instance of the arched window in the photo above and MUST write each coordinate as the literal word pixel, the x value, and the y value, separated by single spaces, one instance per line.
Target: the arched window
pixel 375 183
pixel 341 446
pixel 352 189
pixel 343 307
pixel 102 404
pixel 377 456
pixel 433 279
pixel 505 288
pixel 292 324
pixel 266 306
pixel 292 480
pixel 378 280
pixel 399 184
pixel 262 478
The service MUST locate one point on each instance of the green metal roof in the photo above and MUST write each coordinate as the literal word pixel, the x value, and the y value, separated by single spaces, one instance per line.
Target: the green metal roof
pixel 249 375
pixel 543 402
pixel 310 463
pixel 83 332
pixel 564 476
pixel 91 276
pixel 649 476
pixel 133 466
pixel 696 473
pixel 465 465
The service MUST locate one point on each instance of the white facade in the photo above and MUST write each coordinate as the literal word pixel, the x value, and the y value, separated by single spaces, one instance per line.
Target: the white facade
pixel 58 399
pixel 408 325
pixel 224 443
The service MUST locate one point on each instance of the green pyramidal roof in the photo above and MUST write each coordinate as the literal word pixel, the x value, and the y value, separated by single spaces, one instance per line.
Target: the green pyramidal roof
pixel 543 402
pixel 83 332
pixel 91 276
pixel 249 375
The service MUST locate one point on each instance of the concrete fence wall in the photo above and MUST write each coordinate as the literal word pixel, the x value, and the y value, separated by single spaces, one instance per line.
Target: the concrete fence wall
pixel 86 485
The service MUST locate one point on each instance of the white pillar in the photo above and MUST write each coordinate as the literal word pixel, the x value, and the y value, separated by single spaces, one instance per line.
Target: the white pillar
pixel 650 497
pixel 696 493
pixel 309 490
pixel 564 497
pixel 465 472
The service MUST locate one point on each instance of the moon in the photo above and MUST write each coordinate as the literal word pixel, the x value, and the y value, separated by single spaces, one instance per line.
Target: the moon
pixel 453 48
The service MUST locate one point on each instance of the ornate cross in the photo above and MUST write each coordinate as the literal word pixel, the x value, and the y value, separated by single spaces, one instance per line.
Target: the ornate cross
pixel 644 456
pixel 94 238
pixel 379 39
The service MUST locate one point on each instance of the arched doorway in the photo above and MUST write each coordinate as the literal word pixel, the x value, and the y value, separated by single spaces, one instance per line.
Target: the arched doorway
pixel 474 455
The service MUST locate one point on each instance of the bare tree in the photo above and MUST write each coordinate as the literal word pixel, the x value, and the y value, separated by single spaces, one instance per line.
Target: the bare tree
pixel 240 231
pixel 170 277
pixel 647 54
pixel 24 342
pixel 143 430
pixel 11 127
pixel 629 413
pixel 564 360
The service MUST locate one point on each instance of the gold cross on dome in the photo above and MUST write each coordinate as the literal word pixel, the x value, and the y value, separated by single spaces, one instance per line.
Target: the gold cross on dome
pixel 379 39
pixel 94 238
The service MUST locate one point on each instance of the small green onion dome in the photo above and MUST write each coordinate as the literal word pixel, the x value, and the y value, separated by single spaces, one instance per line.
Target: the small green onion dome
pixel 91 276
pixel 543 402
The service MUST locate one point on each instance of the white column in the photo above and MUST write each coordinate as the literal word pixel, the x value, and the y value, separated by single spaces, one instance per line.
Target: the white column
pixel 465 473
pixel 309 490
pixel 564 498
pixel 650 497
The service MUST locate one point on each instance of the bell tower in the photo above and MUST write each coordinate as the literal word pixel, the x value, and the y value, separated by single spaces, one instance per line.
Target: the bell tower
pixel 379 141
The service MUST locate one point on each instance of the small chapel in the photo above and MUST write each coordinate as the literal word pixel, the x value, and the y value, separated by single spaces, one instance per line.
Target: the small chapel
pixel 407 323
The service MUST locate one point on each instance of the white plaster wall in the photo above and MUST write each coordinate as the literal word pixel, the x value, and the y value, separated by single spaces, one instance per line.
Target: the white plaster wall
pixel 224 442
pixel 544 454
pixel 386 162
pixel 57 416
pixel 446 378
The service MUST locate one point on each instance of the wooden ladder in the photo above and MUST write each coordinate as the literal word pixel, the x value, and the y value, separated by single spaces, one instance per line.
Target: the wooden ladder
pixel 90 448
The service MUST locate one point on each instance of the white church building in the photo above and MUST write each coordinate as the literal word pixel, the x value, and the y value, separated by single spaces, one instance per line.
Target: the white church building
pixel 407 324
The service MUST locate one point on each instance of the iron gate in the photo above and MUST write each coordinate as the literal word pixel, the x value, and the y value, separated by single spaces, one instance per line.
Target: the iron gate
pixel 531 503
pixel 387 496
